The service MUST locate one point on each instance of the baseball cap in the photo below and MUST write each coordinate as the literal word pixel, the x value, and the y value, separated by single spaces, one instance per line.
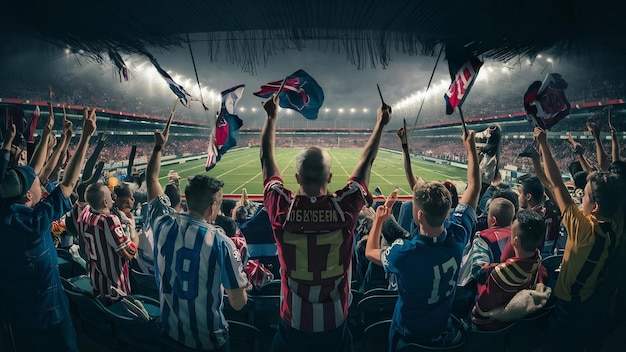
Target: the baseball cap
pixel 17 181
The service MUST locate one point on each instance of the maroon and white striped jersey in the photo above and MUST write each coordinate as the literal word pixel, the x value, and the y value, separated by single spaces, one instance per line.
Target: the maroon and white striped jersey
pixel 104 239
pixel 314 237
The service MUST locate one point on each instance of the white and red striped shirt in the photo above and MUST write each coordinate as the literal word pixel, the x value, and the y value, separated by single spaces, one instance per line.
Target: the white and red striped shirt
pixel 104 238
pixel 314 237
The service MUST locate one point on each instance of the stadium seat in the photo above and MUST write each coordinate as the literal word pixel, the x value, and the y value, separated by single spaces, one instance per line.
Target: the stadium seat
pixel 376 308
pixel 553 268
pixel 267 312
pixel 68 267
pixel 133 333
pixel 528 333
pixel 83 284
pixel 245 315
pixel 269 288
pixel 144 284
pixel 90 315
pixel 459 346
pixel 376 336
pixel 488 341
pixel 243 337
pixel 379 292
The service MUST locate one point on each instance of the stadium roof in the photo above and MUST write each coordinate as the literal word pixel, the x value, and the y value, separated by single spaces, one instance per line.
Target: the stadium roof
pixel 249 31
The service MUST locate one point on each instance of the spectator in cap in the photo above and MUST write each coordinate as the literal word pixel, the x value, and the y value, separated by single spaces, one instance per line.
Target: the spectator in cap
pixel 32 299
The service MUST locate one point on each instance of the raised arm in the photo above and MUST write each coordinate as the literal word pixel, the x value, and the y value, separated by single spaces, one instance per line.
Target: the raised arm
pixel 364 166
pixel 603 157
pixel 60 150
pixel 614 145
pixel 9 135
pixel 470 196
pixel 561 195
pixel 406 156
pixel 268 138
pixel 541 175
pixel 154 164
pixel 39 156
pixel 579 151
pixel 73 167
pixel 372 247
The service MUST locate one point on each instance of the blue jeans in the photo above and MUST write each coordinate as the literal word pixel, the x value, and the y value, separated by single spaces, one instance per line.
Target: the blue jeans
pixel 288 339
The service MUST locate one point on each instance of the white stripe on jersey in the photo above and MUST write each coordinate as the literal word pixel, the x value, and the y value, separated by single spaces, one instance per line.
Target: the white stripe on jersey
pixel 191 270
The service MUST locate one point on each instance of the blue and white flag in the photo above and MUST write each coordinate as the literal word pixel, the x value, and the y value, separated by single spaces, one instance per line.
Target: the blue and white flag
pixel 180 92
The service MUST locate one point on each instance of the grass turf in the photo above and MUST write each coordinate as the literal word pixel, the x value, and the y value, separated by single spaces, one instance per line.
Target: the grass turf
pixel 241 169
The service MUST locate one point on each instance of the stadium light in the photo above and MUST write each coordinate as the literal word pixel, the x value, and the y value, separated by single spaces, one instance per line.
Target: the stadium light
pixel 539 56
pixel 352 110
pixel 253 109
pixel 242 109
pixel 340 110
pixel 364 109
pixel 327 110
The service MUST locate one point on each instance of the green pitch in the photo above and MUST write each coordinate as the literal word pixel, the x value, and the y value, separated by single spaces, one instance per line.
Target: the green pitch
pixel 241 169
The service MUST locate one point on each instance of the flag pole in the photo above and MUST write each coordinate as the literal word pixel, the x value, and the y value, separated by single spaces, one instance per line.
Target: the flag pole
pixel 282 85
pixel 166 130
pixel 427 88
pixel 462 120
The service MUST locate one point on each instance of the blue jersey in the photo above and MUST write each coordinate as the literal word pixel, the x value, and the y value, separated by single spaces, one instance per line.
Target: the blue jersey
pixel 193 259
pixel 426 269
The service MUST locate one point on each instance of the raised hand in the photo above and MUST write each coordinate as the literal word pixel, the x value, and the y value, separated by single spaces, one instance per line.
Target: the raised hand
pixel 160 137
pixel 383 211
pixel 89 122
pixel 384 114
pixel 540 135
pixel 469 141
pixel 9 136
pixel 402 133
pixel 271 106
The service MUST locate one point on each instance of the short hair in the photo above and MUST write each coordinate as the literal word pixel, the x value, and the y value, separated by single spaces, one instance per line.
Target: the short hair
pixel 94 195
pixel 532 185
pixel 503 209
pixel 227 207
pixel 200 192
pixel 227 224
pixel 618 167
pixel 580 179
pixel 122 190
pixel 531 229
pixel 606 190
pixel 434 200
pixel 453 192
pixel 173 193
pixel 313 166
pixel 504 191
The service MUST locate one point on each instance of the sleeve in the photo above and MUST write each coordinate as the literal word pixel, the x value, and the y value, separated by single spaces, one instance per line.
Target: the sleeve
pixel 360 196
pixel 577 225
pixel 233 275
pixel 115 235
pixel 158 207
pixel 276 200
pixel 480 255
pixel 4 162
pixel 490 295
pixel 465 217
pixel 49 209
pixel 391 257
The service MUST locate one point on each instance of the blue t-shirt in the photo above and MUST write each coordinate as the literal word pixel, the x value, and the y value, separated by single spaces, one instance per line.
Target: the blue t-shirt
pixel 426 270
pixel 31 287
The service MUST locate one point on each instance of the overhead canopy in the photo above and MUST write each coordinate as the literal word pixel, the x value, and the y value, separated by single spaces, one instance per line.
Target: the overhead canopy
pixel 249 31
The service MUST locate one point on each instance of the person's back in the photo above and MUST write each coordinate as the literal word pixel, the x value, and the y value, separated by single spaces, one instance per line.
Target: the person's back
pixel 315 275
pixel 506 279
pixel 314 233
pixel 109 248
pixel 194 259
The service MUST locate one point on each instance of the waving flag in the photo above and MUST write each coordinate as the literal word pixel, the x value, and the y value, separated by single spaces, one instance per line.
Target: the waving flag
pixel 226 130
pixel 119 64
pixel 300 92
pixel 545 102
pixel 463 73
pixel 180 92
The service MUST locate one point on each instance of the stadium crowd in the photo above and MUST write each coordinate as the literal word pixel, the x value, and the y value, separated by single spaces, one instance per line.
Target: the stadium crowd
pixel 490 258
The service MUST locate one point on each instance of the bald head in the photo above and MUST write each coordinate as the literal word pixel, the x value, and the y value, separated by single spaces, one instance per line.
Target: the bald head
pixel 313 167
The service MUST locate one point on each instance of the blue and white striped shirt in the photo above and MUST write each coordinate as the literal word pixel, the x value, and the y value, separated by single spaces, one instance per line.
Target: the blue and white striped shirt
pixel 193 260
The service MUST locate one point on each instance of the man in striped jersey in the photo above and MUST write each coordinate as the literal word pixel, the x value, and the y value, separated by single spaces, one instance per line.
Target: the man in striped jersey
pixel 109 248
pixel 314 231
pixel 194 259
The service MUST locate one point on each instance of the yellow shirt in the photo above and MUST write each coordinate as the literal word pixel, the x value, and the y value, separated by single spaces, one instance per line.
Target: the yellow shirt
pixel 586 253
